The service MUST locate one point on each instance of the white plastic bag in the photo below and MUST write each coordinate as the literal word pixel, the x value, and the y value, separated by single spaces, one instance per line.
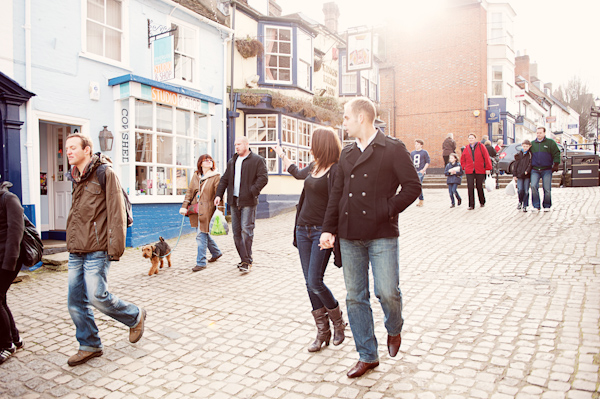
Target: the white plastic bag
pixel 490 183
pixel 218 224
pixel 510 188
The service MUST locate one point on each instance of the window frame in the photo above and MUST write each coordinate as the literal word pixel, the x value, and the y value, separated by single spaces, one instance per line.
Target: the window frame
pixel 268 54
pixel 496 81
pixel 194 54
pixel 85 53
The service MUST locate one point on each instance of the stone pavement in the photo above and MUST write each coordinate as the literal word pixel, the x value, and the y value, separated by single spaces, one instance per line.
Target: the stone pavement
pixel 497 304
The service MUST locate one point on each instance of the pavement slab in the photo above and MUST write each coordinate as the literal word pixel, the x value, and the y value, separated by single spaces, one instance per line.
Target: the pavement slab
pixel 497 304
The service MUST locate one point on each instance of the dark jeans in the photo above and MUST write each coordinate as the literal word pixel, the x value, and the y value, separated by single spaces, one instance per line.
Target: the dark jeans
pixel 475 179
pixel 523 188
pixel 314 262
pixel 242 223
pixel 452 187
pixel 8 329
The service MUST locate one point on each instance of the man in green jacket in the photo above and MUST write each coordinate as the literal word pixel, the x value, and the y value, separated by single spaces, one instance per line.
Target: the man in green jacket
pixel 545 157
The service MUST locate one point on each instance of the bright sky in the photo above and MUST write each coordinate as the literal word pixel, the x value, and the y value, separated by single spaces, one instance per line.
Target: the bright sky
pixel 561 36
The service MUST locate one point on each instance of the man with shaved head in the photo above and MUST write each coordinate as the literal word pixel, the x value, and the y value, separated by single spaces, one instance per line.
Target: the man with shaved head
pixel 246 175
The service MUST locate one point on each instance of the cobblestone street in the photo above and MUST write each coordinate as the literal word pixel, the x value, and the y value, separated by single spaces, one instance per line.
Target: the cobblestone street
pixel 497 304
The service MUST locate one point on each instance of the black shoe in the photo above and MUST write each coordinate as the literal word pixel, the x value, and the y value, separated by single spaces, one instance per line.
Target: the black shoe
pixel 482 205
pixel 6 353
pixel 459 201
pixel 470 208
pixel 245 267
pixel 198 268
pixel 519 206
pixel 20 343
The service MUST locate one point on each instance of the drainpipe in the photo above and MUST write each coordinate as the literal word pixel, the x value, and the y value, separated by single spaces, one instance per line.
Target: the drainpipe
pixel 226 40
pixel 232 108
pixel 32 146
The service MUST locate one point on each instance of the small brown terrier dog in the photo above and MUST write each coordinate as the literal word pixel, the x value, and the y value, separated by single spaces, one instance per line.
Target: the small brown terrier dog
pixel 157 253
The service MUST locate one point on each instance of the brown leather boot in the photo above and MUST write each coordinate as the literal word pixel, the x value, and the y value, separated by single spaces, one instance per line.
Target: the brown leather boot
pixel 339 325
pixel 323 331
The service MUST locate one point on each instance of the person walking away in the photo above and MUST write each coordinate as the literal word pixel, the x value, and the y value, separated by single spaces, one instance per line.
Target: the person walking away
pixel 96 229
pixel 246 175
pixel 202 191
pixel 421 160
pixel 499 145
pixel 448 147
pixel 318 179
pixel 11 234
pixel 362 213
pixel 522 174
pixel 545 158
pixel 454 172
pixel 476 163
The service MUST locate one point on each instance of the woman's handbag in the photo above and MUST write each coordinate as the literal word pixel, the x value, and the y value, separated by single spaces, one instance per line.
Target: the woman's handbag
pixel 195 208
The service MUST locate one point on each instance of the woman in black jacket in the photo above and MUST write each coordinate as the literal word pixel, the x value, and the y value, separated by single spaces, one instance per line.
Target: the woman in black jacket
pixel 522 174
pixel 318 180
pixel 11 233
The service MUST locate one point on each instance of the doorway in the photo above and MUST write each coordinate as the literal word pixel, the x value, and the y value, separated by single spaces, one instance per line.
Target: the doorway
pixel 56 189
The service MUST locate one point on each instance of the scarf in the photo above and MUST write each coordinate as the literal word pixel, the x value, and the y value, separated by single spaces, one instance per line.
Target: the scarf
pixel 77 176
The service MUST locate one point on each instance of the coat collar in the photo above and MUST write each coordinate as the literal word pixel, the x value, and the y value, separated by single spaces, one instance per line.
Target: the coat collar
pixel 366 154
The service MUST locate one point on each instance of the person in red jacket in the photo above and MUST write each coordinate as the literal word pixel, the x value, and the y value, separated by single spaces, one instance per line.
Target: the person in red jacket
pixel 476 163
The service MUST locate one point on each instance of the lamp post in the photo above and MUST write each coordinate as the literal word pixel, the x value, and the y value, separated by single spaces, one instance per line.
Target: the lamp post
pixel 596 112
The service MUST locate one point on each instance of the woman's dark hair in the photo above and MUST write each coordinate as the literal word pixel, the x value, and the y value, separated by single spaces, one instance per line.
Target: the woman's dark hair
pixel 201 159
pixel 326 147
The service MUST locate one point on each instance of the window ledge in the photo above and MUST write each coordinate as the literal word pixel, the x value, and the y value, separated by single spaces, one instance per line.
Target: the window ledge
pixel 105 60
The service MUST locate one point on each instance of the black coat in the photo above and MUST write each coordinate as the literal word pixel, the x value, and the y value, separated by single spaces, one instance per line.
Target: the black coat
pixel 11 229
pixel 254 178
pixel 302 174
pixel 364 203
pixel 522 166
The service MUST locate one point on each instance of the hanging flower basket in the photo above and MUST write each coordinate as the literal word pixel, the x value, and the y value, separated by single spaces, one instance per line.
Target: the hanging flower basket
pixel 250 99
pixel 249 47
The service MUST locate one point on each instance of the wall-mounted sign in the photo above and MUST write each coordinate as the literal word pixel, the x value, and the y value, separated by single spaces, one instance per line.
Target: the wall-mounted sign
pixel 163 66
pixel 575 126
pixel 360 51
pixel 330 79
pixel 492 116
pixel 179 100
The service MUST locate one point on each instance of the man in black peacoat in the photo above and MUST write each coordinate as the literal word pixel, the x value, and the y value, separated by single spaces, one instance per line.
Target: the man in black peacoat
pixel 362 213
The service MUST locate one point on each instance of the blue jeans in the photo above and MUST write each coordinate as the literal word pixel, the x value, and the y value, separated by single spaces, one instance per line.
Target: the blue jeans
pixel 452 190
pixel 88 287
pixel 546 176
pixel 382 253
pixel 523 191
pixel 204 241
pixel 242 223
pixel 314 262
pixel 421 176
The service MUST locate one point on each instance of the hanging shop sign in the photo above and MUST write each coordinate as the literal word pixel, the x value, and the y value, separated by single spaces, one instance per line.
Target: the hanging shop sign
pixel 360 51
pixel 163 65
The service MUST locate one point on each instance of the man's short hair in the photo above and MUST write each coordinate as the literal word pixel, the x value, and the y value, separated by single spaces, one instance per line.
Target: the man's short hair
pixel 526 142
pixel 420 141
pixel 472 134
pixel 543 128
pixel 86 141
pixel 364 105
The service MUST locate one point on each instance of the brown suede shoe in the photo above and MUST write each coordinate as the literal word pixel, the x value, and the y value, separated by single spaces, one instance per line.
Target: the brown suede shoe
pixel 81 357
pixel 135 333
pixel 214 258
pixel 360 368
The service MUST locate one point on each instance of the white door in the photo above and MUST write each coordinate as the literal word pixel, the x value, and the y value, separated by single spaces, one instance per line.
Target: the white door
pixel 61 186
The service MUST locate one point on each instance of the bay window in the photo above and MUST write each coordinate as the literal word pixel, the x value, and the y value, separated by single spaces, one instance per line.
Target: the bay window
pixel 278 54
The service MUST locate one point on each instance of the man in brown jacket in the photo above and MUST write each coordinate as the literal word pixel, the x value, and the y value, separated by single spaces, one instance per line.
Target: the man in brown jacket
pixel 96 229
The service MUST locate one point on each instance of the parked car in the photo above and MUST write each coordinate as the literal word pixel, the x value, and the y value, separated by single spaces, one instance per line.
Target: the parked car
pixel 507 156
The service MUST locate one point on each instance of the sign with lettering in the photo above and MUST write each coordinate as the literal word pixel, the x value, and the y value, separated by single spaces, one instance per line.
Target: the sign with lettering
pixel 125 135
pixel 163 66
pixel 492 116
pixel 179 100
pixel 330 79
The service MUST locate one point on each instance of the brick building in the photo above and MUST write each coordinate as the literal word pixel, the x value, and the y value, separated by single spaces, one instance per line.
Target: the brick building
pixel 435 79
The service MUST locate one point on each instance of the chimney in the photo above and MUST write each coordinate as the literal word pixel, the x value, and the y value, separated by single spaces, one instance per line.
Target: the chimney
pixel 533 70
pixel 332 13
pixel 522 67
pixel 274 9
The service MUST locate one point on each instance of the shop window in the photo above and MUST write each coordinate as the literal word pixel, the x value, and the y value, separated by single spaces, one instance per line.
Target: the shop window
pixel 104 28
pixel 261 128
pixel 304 158
pixel 304 133
pixel 167 146
pixel 289 133
pixel 268 154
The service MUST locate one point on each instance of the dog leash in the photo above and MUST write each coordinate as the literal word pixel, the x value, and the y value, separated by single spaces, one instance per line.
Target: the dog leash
pixel 177 243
